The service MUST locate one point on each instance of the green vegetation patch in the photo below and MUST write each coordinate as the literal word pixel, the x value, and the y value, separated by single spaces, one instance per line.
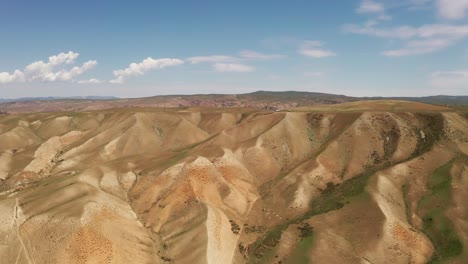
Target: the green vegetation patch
pixel 436 225
pixel 243 117
pixel 433 129
pixel 300 254
pixel 176 158
pixel 334 197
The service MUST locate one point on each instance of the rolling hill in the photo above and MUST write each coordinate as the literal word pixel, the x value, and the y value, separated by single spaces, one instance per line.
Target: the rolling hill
pixel 259 100
pixel 359 182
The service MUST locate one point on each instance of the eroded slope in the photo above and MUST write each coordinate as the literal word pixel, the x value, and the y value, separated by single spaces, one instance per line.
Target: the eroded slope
pixel 152 186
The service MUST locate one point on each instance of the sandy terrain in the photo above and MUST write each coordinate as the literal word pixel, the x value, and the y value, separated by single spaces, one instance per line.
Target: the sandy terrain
pixel 367 182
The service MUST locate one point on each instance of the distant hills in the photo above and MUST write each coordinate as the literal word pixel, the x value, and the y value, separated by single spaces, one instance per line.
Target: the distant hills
pixel 266 100
pixel 437 99
pixel 48 98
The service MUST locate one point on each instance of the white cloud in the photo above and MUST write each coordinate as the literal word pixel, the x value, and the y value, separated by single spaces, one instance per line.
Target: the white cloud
pixel 375 8
pixel 68 75
pixel 452 9
pixel 16 76
pixel 46 71
pixel 314 49
pixel 39 70
pixel 317 53
pixel 406 32
pixel 136 69
pixel 449 79
pixel 384 17
pixel 232 67
pixel 416 47
pixel 314 74
pixel 211 59
pixel 416 5
pixel 369 6
pixel 369 23
pixel 250 54
pixel 68 58
pixel 226 59
pixel 419 2
pixel 419 40
pixel 90 81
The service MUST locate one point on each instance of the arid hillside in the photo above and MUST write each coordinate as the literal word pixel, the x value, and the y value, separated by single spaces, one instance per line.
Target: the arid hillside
pixel 366 182
pixel 261 100
pixel 258 100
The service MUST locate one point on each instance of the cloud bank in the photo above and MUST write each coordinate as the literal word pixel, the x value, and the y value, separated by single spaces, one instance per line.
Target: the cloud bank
pixel 232 67
pixel 136 69
pixel 51 71
pixel 417 40
pixel 452 9
pixel 211 59
pixel 314 49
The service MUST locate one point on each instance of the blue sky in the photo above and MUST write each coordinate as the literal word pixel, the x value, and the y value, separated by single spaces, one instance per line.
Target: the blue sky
pixel 128 49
